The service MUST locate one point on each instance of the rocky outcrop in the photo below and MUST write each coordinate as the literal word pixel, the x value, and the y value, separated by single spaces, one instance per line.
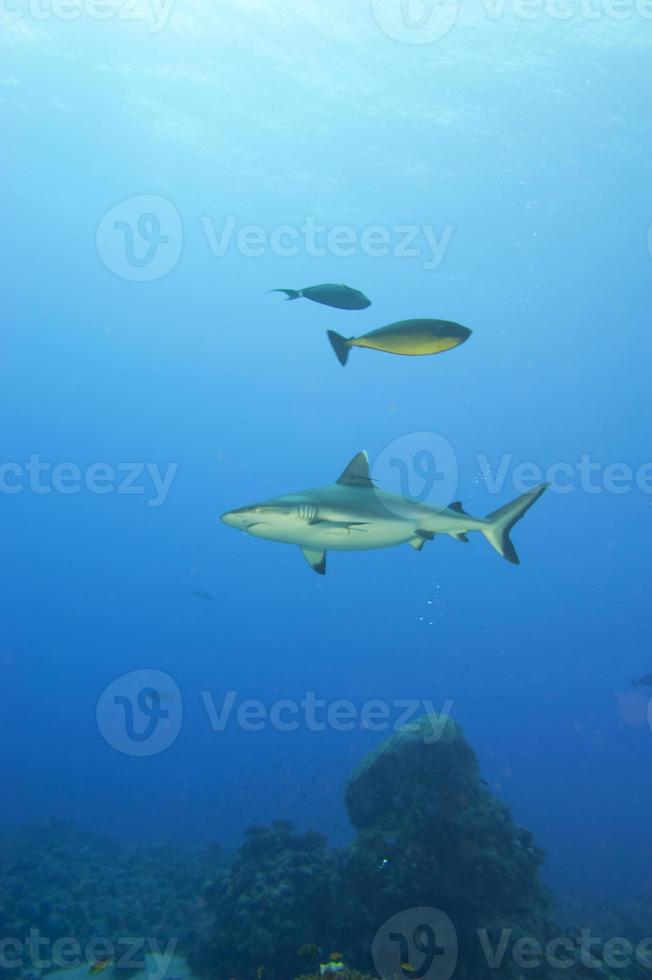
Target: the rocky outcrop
pixel 431 835
pixel 437 869
pixel 278 896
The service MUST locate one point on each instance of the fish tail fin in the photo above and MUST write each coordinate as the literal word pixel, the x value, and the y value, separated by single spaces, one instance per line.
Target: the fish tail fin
pixel 289 293
pixel 501 522
pixel 340 345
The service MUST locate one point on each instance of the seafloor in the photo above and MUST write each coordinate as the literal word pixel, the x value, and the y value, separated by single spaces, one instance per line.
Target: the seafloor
pixel 429 834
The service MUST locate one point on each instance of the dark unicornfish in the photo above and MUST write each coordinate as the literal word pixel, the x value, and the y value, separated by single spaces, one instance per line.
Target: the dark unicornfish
pixel 411 337
pixel 330 294
pixel 354 515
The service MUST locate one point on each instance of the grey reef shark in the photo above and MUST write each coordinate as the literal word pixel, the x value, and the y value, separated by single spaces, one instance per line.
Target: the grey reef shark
pixel 354 515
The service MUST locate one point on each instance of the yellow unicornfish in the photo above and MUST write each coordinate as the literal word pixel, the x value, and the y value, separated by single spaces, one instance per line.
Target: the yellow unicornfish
pixel 412 337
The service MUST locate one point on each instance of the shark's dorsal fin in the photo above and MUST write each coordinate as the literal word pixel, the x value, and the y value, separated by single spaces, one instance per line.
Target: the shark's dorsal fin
pixel 316 560
pixel 457 507
pixel 357 472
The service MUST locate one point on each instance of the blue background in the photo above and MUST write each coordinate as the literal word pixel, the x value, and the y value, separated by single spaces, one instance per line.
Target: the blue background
pixel 531 140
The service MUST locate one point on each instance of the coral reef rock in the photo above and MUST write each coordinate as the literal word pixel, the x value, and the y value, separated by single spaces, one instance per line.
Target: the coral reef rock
pixel 431 835
pixel 437 869
pixel 60 883
pixel 278 894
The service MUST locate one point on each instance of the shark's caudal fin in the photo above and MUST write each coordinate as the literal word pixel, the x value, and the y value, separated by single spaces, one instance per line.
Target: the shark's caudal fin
pixel 340 345
pixel 289 293
pixel 502 521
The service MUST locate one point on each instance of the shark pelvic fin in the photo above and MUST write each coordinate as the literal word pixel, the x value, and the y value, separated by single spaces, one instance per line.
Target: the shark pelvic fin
pixel 357 472
pixel 420 539
pixel 417 543
pixel 316 560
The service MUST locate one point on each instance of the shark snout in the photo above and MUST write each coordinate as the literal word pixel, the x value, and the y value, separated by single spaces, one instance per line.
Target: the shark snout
pixel 244 518
pixel 237 518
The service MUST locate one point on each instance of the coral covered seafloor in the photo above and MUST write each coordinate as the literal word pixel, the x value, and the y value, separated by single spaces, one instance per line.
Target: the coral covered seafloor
pixel 438 882
pixel 59 884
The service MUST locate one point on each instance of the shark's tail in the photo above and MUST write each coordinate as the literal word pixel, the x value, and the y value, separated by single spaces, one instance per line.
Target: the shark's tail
pixel 340 345
pixel 289 293
pixel 502 521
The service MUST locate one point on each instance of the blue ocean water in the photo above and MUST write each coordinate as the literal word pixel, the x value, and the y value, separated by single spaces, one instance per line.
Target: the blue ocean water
pixel 165 166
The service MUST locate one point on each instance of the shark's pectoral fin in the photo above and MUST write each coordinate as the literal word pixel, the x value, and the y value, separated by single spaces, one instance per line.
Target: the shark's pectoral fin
pixel 420 539
pixel 316 560
pixel 460 537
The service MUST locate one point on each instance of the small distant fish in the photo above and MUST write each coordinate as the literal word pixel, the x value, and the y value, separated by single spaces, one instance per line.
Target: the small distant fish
pixel 644 681
pixel 100 965
pixel 206 596
pixel 309 951
pixel 332 967
pixel 410 337
pixel 407 968
pixel 341 297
